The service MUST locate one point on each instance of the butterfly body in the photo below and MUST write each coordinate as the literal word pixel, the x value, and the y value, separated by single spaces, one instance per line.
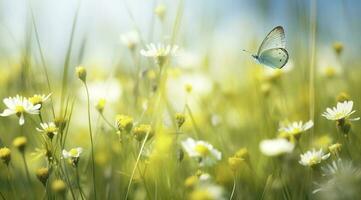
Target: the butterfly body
pixel 272 50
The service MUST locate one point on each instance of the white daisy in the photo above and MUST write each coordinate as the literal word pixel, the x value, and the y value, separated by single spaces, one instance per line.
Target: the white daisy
pixel 295 128
pixel 311 158
pixel 130 39
pixel 206 154
pixel 159 52
pixel 341 111
pixel 72 153
pixel 19 105
pixel 50 129
pixel 276 147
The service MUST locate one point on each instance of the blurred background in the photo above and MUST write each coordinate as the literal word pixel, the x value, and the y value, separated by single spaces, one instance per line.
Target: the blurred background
pixel 235 102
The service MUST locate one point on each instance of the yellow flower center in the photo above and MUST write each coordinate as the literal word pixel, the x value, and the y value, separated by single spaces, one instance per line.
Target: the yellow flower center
pixel 73 152
pixel 19 109
pixel 313 160
pixel 51 129
pixel 36 99
pixel 202 150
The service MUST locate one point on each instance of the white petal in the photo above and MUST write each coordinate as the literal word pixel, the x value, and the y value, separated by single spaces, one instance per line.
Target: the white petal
pixel 7 112
pixel 21 119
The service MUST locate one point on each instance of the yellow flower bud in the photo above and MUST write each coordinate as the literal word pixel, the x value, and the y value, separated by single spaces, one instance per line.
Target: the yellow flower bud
pixel 58 186
pixel 180 119
pixel 142 130
pixel 235 163
pixel 160 11
pixel 338 47
pixel 5 155
pixel 124 123
pixel 42 174
pixel 100 105
pixel 81 73
pixel 20 143
pixel 343 96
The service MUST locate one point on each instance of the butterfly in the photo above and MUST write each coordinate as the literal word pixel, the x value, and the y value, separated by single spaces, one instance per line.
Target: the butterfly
pixel 272 51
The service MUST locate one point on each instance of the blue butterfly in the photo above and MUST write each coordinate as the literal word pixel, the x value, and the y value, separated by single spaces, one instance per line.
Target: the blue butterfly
pixel 272 51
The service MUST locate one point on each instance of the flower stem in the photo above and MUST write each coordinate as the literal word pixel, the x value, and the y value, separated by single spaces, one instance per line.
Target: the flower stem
pixel 91 140
pixel 10 183
pixel 26 168
pixel 234 187
pixel 78 182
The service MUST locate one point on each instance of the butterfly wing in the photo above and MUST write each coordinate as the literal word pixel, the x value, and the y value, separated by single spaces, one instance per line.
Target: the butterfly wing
pixel 275 39
pixel 275 57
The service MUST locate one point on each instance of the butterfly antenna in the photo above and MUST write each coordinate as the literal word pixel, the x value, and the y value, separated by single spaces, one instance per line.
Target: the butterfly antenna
pixel 246 51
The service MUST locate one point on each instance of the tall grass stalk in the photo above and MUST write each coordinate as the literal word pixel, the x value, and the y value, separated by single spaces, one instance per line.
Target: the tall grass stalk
pixel 91 138
pixel 67 59
pixel 313 28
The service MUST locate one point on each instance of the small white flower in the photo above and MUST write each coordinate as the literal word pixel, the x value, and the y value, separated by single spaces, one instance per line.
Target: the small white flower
pixel 19 105
pixel 72 153
pixel 50 129
pixel 159 52
pixel 341 111
pixel 130 39
pixel 201 150
pixel 276 147
pixel 311 158
pixel 295 128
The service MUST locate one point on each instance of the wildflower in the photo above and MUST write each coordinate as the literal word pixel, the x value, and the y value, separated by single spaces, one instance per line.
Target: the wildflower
pixel 276 147
pixel 343 96
pixel 341 115
pixel 81 73
pixel 335 149
pixel 124 123
pixel 130 39
pixel 159 52
pixel 141 131
pixel 235 162
pixel 180 119
pixel 100 105
pixel 73 154
pixel 294 129
pixel 206 154
pixel 39 99
pixel 42 174
pixel 338 47
pixel 58 186
pixel 330 71
pixel 5 155
pixel 19 106
pixel 49 129
pixel 160 11
pixel 341 112
pixel 342 179
pixel 312 158
pixel 20 143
